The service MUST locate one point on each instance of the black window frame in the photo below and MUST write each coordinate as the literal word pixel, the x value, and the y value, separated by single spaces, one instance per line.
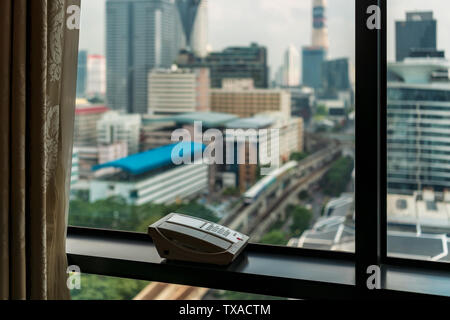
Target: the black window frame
pixel 370 216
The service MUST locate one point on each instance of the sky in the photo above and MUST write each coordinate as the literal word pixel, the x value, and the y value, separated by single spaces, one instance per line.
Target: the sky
pixel 277 24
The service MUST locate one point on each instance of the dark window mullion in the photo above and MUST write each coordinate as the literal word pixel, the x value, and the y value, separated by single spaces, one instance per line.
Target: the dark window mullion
pixel 370 96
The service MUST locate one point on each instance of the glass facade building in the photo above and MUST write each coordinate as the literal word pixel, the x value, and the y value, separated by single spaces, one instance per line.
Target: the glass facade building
pixel 313 58
pixel 236 63
pixel 418 129
pixel 140 35
pixel 336 75
pixel 82 73
pixel 416 33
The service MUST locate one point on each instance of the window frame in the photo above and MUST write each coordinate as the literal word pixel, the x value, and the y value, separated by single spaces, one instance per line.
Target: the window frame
pixel 370 206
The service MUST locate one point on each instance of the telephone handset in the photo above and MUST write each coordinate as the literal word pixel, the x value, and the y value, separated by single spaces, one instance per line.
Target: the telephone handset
pixel 180 237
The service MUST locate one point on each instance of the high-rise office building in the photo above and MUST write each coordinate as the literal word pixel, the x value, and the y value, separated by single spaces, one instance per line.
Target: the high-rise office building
pixel 418 32
pixel 140 35
pixel 336 75
pixel 291 67
pixel 315 55
pixel 232 62
pixel 82 73
pixel 313 58
pixel 194 20
pixel 178 91
pixel 418 134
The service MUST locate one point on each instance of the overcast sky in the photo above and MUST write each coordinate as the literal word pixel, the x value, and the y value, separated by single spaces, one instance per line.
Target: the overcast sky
pixel 276 24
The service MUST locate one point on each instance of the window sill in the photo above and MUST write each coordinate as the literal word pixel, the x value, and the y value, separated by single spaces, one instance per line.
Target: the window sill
pixel 261 269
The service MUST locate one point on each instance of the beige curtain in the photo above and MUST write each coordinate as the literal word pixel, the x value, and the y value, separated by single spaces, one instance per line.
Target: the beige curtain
pixel 38 61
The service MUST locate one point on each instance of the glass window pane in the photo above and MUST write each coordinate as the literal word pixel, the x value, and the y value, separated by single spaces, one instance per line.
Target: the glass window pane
pixel 268 96
pixel 418 130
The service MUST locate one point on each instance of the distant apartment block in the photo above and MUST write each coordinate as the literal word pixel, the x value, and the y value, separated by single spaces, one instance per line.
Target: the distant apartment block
pixel 74 173
pixel 89 156
pixel 96 76
pixel 302 102
pixel 232 62
pixel 175 91
pixel 115 127
pixel 85 127
pixel 244 174
pixel 290 133
pixel 247 103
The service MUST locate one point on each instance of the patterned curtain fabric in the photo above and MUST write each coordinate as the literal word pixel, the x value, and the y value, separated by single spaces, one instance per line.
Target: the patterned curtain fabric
pixel 38 62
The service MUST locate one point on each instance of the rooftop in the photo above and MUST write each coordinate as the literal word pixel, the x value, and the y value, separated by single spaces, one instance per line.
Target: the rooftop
pixel 250 123
pixel 418 70
pixel 414 210
pixel 151 160
pixel 90 109
pixel 208 119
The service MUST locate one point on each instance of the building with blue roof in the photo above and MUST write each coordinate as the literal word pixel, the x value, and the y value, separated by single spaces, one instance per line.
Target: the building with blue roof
pixel 154 176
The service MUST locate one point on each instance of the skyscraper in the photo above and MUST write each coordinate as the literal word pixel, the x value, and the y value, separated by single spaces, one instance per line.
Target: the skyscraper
pixel 313 58
pixel 320 29
pixel 140 35
pixel 291 67
pixel 82 73
pixel 418 118
pixel 418 32
pixel 194 20
pixel 336 75
pixel 315 55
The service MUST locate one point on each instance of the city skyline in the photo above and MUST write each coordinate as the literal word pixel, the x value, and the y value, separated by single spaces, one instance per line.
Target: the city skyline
pixel 227 30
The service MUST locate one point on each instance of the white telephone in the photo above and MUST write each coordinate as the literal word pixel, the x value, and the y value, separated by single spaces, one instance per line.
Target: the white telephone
pixel 180 237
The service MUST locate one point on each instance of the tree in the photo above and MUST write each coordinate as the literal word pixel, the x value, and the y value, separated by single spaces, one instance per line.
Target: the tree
pixel 336 179
pixel 276 237
pixel 231 191
pixel 321 110
pixel 298 156
pixel 301 219
pixel 304 195
pixel 116 213
pixel 94 287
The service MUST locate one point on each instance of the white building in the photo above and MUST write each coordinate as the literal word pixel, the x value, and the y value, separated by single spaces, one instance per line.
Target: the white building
pixel 173 91
pixel 96 75
pixel 115 127
pixel 291 67
pixel 90 156
pixel 290 130
pixel 74 174
pixel 152 177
